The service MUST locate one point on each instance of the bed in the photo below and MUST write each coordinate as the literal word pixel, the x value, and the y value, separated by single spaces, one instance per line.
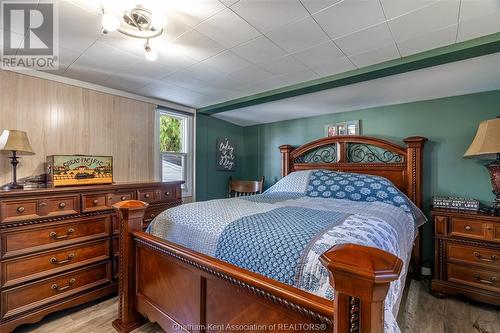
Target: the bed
pixel 316 252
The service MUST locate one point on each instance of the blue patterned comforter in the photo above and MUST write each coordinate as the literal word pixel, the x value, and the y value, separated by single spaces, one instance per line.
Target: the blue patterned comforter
pixel 281 233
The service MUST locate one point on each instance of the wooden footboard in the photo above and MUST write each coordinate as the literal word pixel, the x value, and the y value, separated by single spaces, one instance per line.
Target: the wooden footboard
pixel 183 290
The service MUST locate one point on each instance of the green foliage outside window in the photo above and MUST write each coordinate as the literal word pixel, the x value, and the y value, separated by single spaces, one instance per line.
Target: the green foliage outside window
pixel 170 134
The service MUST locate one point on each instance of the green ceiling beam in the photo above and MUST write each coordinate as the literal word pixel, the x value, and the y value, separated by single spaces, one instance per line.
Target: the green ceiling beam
pixel 443 55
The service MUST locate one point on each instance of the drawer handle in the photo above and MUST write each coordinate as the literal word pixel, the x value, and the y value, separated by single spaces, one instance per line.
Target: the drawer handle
pixel 54 260
pixel 491 280
pixel 123 198
pixel 146 195
pixel 56 287
pixel 21 209
pixel 95 202
pixel 468 228
pixel 167 193
pixel 62 205
pixel 478 256
pixel 54 235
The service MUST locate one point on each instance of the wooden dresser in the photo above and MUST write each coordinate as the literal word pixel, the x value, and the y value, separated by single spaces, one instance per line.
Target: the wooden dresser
pixel 59 246
pixel 467 255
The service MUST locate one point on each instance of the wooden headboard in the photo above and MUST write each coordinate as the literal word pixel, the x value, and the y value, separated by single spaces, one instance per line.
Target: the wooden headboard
pixel 362 154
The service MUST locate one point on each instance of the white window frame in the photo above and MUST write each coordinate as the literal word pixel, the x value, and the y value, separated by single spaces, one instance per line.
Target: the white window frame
pixel 187 147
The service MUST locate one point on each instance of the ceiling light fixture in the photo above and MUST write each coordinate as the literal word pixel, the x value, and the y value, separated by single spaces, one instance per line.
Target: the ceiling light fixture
pixel 140 23
pixel 110 23
pixel 149 53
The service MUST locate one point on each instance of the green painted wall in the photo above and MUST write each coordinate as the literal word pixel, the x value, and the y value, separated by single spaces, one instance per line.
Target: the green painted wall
pixel 210 183
pixel 448 123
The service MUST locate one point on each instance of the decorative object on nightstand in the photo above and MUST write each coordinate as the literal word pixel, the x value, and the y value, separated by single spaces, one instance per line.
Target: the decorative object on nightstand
pixel 16 142
pixel 486 145
pixel 455 203
pixel 467 255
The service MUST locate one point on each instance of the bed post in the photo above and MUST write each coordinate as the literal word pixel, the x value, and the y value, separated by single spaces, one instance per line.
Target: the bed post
pixel 360 276
pixel 414 155
pixel 130 215
pixel 285 159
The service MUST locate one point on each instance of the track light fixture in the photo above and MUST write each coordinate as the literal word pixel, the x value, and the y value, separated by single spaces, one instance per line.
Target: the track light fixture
pixel 139 22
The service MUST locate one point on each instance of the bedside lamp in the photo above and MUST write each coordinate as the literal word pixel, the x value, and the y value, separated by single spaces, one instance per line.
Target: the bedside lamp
pixel 16 142
pixel 486 145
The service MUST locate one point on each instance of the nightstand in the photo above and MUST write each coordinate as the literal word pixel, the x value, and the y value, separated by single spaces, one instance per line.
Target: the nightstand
pixel 467 255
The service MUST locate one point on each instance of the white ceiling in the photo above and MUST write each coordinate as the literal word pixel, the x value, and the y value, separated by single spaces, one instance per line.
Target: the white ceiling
pixel 457 78
pixel 214 51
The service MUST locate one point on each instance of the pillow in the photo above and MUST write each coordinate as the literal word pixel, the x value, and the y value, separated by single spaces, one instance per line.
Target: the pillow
pixel 296 182
pixel 355 187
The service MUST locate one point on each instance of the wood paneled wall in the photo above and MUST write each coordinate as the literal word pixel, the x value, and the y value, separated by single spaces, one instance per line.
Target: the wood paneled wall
pixel 64 119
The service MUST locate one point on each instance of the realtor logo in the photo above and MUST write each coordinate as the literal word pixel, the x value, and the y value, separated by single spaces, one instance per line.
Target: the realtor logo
pixel 29 34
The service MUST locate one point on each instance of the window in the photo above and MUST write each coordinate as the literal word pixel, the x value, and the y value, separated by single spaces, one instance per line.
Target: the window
pixel 176 150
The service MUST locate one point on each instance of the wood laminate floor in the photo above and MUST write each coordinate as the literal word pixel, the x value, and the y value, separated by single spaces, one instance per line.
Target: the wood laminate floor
pixel 420 313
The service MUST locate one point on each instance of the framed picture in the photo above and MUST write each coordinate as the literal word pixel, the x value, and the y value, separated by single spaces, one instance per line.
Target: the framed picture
pixel 353 127
pixel 331 130
pixel 226 154
pixel 343 128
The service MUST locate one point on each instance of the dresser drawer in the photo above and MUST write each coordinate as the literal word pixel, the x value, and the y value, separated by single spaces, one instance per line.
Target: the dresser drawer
pixel 170 194
pixel 59 206
pixel 27 240
pixel 474 277
pixel 119 196
pixel 94 202
pixel 19 210
pixel 475 229
pixel 149 195
pixel 45 263
pixel 104 201
pixel 489 258
pixel 28 296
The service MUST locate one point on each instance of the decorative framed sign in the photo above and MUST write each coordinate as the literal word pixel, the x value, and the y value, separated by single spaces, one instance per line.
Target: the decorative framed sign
pixel 65 170
pixel 226 154
pixel 351 127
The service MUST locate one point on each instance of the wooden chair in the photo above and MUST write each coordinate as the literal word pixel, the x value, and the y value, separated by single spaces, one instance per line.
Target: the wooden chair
pixel 238 188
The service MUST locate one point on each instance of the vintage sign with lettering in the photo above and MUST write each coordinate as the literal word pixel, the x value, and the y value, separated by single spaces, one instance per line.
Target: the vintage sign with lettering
pixel 65 170
pixel 226 154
